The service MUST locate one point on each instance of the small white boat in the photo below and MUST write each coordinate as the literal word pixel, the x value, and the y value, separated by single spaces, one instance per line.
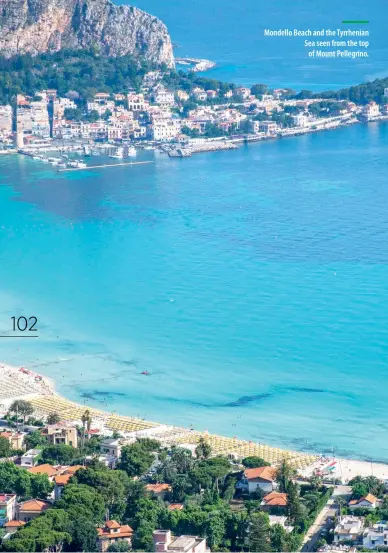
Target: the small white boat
pixel 61 165
pixel 54 162
pixel 119 153
pixel 72 164
pixel 45 160
pixel 131 151
pixel 81 164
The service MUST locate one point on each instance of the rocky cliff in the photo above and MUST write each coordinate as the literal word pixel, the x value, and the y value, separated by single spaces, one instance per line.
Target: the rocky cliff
pixel 37 26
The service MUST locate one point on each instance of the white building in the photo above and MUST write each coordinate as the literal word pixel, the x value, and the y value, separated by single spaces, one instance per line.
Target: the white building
pixel 164 97
pixel 101 97
pixel 7 508
pixel 243 91
pixel 60 104
pixel 200 95
pixel 300 120
pixel 268 127
pixel 370 111
pixel 30 458
pixel 182 95
pixel 262 478
pixel 5 121
pixel 151 78
pixel 164 541
pixel 281 520
pixel 377 536
pixel 165 129
pixel 101 107
pixel 33 119
pixel 348 528
pixel 24 120
pixel 136 102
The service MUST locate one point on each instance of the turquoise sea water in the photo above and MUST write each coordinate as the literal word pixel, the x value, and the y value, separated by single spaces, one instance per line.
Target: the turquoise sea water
pixel 232 34
pixel 252 284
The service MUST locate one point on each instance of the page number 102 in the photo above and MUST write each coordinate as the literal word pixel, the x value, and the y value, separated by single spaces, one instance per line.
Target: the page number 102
pixel 23 324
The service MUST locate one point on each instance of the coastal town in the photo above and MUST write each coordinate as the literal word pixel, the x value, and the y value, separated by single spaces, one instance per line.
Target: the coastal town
pixel 177 121
pixel 74 478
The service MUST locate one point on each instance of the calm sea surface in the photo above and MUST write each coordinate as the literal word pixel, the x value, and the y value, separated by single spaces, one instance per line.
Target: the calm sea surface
pixel 232 34
pixel 252 284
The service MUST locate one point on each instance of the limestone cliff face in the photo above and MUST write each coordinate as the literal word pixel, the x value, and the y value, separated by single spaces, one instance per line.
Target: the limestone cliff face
pixel 48 25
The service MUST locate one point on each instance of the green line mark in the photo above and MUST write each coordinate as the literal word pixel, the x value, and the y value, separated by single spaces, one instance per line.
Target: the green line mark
pixel 361 21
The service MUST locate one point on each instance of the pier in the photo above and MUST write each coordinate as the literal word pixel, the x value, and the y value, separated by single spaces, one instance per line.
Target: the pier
pixel 103 166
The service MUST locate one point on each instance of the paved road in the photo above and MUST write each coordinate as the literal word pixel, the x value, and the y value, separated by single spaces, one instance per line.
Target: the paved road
pixel 325 519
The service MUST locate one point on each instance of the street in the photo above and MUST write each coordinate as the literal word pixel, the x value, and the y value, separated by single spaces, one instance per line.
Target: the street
pixel 324 520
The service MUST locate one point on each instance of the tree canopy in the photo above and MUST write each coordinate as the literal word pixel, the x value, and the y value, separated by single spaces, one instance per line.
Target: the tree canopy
pixel 137 458
pixel 14 479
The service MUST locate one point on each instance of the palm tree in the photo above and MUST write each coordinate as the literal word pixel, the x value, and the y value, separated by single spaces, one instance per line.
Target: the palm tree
pixel 86 424
pixel 203 449
pixel 21 407
pixel 341 502
pixel 53 418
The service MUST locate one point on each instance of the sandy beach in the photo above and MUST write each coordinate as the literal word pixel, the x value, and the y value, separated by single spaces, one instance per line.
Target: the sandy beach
pixel 22 383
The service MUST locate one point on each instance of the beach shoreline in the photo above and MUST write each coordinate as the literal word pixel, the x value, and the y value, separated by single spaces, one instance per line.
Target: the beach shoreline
pixel 22 383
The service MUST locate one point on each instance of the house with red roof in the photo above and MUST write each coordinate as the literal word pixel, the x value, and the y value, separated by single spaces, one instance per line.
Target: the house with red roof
pixel 274 499
pixel 158 490
pixel 175 507
pixel 13 526
pixel 261 478
pixel 113 532
pixel 15 439
pixel 368 502
pixel 62 479
pixel 31 508
pixel 45 468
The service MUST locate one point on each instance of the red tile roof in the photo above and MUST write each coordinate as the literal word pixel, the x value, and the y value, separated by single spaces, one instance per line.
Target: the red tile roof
pixel 157 488
pixel 276 499
pixel 44 469
pixel 14 523
pixel 112 524
pixel 124 531
pixel 35 505
pixel 73 469
pixel 369 497
pixel 62 479
pixel 175 506
pixel 263 473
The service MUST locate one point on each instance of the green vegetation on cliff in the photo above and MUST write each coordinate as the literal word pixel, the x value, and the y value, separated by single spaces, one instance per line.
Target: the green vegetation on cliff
pixel 82 71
